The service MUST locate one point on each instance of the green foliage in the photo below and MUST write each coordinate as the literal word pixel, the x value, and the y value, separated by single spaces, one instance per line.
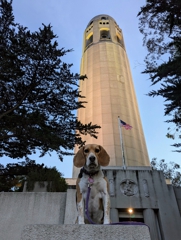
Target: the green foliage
pixel 12 177
pixel 54 178
pixel 160 23
pixel 38 92
pixel 169 171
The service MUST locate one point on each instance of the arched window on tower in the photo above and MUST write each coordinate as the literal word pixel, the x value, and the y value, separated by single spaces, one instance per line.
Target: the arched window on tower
pixel 89 40
pixel 105 34
pixel 119 40
pixel 90 23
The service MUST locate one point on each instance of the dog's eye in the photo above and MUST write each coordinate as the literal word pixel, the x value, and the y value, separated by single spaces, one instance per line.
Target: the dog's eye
pixel 86 150
pixel 97 150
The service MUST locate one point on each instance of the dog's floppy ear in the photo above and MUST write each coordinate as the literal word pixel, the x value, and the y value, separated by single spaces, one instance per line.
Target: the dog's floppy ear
pixel 103 157
pixel 79 158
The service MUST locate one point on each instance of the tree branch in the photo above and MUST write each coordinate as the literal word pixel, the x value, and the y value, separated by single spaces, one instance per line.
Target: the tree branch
pixel 17 105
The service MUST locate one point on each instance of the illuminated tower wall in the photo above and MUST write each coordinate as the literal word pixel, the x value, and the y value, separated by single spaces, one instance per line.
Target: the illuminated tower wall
pixel 110 93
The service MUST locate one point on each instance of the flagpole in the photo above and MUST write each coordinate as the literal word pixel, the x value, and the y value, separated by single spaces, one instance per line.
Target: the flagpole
pixel 122 145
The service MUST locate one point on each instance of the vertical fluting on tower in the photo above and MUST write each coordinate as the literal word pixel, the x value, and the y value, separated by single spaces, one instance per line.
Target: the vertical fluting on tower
pixel 110 93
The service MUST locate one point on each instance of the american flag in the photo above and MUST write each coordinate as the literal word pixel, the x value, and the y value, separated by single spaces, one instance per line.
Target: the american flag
pixel 125 125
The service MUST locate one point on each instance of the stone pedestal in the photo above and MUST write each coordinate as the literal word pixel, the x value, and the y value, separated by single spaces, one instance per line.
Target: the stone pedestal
pixel 82 232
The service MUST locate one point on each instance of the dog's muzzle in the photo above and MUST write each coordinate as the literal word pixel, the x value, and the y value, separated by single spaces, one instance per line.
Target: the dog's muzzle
pixel 92 161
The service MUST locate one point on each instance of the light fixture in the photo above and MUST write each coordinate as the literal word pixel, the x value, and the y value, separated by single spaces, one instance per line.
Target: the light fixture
pixel 130 210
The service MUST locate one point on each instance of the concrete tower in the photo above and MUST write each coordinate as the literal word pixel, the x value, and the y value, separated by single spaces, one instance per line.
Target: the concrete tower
pixel 110 93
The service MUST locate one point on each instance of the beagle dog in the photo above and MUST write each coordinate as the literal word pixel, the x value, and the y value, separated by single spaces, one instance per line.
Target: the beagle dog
pixel 91 157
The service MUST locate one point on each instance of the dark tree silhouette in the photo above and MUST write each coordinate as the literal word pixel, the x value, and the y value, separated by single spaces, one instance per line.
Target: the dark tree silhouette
pixel 160 24
pixel 38 92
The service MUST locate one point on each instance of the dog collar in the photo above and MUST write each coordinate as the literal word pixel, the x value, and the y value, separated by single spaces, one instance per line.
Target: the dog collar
pixel 90 174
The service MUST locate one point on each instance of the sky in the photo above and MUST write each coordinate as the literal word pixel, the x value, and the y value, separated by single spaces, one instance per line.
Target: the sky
pixel 69 19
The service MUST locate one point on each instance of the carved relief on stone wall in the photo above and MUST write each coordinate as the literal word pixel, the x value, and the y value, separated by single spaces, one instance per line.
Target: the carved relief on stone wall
pixel 111 188
pixel 145 188
pixel 128 187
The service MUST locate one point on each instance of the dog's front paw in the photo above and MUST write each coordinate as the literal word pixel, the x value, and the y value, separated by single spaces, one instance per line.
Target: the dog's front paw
pixel 81 221
pixel 107 221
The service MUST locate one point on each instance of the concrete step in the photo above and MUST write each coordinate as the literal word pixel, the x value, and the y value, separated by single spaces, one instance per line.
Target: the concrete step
pixel 82 232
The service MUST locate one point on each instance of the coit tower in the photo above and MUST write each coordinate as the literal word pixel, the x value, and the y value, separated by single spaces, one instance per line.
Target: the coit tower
pixel 109 92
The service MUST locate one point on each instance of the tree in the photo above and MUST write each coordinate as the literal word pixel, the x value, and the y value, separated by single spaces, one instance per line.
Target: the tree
pixel 38 92
pixel 13 177
pixel 169 171
pixel 160 23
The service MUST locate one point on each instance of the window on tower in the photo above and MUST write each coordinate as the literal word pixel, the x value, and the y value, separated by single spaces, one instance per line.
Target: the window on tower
pixel 103 18
pixel 119 40
pixel 89 40
pixel 105 35
pixel 90 23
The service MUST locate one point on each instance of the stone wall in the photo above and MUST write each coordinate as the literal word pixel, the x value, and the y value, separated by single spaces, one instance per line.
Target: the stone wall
pixel 51 216
pixel 20 209
pixel 178 197
pixel 148 194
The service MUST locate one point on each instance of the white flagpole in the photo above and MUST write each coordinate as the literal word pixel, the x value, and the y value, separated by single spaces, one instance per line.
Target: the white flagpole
pixel 122 145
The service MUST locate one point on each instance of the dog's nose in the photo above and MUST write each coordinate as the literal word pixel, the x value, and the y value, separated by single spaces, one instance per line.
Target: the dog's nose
pixel 92 159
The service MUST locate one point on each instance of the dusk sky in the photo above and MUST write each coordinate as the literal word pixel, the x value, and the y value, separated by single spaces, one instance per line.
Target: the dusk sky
pixel 69 19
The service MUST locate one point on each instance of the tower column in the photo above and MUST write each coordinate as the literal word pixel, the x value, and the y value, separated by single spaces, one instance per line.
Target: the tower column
pixel 109 93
